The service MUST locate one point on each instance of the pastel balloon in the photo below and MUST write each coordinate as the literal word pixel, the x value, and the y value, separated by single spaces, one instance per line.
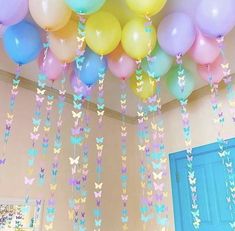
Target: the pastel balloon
pixel 137 40
pixel 119 10
pixel 85 6
pixel 146 7
pixel 212 73
pixel 176 34
pixel 215 17
pixel 12 11
pixel 22 42
pixel 51 15
pixel 173 86
pixel 159 63
pixel 204 50
pixel 50 65
pixel 63 43
pixel 77 85
pixel 149 86
pixel 120 64
pixel 103 32
pixel 92 65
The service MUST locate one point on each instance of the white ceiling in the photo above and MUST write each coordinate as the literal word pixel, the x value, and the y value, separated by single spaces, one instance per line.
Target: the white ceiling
pixel 112 84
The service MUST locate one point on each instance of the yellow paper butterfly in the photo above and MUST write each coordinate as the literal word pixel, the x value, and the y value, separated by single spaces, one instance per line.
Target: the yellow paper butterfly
pixel 71 215
pixel 40 92
pixel 53 187
pixel 57 150
pixel 49 227
pixel 98 186
pixel 141 148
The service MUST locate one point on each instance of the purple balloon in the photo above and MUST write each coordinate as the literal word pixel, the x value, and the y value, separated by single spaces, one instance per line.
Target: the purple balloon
pixel 216 17
pixel 13 11
pixel 176 34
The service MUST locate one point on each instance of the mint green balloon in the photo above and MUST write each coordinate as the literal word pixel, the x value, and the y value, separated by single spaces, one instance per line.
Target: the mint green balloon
pixel 159 64
pixel 85 7
pixel 173 86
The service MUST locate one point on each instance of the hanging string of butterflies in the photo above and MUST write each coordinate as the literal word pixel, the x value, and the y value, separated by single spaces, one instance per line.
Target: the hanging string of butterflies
pixel 75 47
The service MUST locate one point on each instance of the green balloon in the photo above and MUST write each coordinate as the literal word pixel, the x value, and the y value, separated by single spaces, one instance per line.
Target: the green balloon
pixel 159 64
pixel 85 7
pixel 173 85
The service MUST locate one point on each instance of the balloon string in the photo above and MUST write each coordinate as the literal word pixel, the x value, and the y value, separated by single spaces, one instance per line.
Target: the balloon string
pixel 227 78
pixel 124 173
pixel 57 149
pixel 10 114
pixel 99 147
pixel 223 153
pixel 191 173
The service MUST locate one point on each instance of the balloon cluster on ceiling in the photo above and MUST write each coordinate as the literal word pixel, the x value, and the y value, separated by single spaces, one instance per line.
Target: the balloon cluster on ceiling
pixel 108 45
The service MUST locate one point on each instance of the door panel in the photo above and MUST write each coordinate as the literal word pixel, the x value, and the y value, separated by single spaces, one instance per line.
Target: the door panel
pixel 212 192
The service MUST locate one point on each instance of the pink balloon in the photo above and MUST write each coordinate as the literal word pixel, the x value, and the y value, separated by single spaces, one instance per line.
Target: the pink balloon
pixel 214 70
pixel 204 50
pixel 51 66
pixel 13 11
pixel 120 64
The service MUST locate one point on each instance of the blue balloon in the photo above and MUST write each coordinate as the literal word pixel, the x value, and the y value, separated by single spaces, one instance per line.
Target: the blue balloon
pixel 173 84
pixel 85 6
pixel 90 65
pixel 159 64
pixel 22 42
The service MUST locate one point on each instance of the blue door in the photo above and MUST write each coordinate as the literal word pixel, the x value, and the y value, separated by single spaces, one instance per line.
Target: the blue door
pixel 212 192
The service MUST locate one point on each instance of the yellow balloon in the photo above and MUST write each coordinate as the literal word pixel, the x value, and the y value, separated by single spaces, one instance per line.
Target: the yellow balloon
pixel 120 10
pixel 138 40
pixel 51 15
pixel 146 7
pixel 63 43
pixel 103 32
pixel 148 88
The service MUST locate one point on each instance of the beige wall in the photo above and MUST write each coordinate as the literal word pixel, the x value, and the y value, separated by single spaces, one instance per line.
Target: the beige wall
pixel 11 177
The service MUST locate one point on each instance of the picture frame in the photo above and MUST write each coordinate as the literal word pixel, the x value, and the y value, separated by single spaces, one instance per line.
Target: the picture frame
pixel 12 217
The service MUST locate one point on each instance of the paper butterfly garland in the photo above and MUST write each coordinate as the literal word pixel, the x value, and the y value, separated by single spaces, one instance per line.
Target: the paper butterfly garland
pixel 158 160
pixel 99 147
pixel 51 204
pixel 124 173
pixel 143 171
pixel 181 72
pixel 84 176
pixel 223 153
pixel 191 173
pixel 10 114
pixel 34 135
pixel 45 139
pixel 228 78
pixel 77 139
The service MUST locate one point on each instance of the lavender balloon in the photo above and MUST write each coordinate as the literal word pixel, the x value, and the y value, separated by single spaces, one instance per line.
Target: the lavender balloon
pixel 216 17
pixel 176 34
pixel 12 11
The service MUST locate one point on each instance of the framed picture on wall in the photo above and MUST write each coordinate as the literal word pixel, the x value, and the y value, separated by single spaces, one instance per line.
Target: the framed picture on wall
pixel 15 216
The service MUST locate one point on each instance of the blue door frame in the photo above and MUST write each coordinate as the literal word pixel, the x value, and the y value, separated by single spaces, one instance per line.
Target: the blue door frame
pixel 202 150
